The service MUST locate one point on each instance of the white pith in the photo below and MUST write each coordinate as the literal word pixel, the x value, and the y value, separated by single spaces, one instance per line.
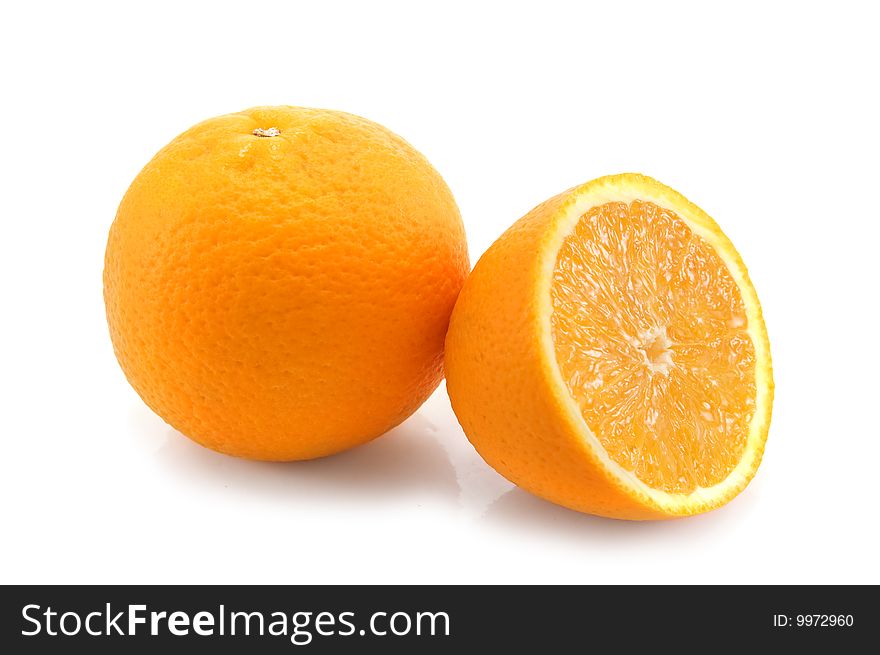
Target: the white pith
pixel 647 341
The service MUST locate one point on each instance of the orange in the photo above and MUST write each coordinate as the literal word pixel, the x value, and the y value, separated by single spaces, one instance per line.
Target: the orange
pixel 278 282
pixel 608 353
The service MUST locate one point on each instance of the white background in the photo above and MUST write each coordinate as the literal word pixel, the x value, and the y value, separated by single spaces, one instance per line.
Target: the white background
pixel 764 114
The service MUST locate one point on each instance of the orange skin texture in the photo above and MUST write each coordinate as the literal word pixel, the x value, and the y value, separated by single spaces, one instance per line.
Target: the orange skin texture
pixel 284 297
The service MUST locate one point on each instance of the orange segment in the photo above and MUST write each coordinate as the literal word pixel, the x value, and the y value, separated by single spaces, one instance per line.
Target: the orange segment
pixel 608 353
pixel 651 337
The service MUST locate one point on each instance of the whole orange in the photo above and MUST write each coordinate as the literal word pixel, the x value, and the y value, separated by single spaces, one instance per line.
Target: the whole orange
pixel 279 281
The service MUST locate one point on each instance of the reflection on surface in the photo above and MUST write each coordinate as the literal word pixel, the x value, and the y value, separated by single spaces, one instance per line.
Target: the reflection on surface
pixel 521 512
pixel 408 460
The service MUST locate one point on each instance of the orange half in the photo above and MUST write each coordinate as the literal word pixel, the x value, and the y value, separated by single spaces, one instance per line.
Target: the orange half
pixel 608 353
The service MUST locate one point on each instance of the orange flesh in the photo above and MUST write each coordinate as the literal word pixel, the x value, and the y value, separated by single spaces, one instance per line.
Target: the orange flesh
pixel 651 337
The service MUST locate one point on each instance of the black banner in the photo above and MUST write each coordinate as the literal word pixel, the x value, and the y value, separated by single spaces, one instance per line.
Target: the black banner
pixel 280 619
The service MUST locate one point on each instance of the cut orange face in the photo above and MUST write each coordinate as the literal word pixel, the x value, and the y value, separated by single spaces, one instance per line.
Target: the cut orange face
pixel 608 353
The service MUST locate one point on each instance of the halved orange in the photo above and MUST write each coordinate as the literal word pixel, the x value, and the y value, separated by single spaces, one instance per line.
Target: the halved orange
pixel 608 353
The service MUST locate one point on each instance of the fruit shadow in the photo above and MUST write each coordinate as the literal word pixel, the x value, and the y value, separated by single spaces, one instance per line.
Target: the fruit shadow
pixel 406 462
pixel 521 513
